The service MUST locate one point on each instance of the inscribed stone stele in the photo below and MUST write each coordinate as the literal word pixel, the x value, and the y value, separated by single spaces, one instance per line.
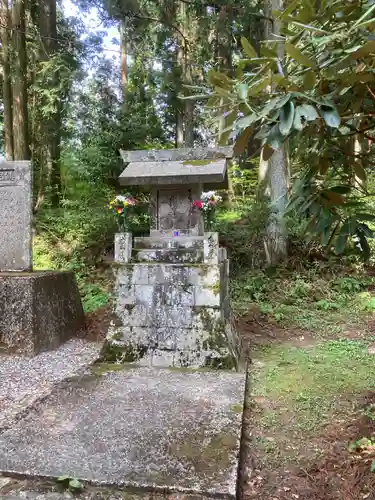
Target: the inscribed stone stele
pixel 15 216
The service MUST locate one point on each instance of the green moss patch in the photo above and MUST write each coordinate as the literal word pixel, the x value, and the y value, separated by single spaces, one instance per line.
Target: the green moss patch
pixel 297 392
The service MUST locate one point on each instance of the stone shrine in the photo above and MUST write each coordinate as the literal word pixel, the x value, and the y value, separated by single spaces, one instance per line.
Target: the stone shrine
pixel 38 310
pixel 171 293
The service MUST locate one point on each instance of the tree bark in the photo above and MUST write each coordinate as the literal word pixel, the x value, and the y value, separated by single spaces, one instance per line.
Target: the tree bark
pixel 124 56
pixel 224 48
pixel 7 87
pixel 179 107
pixel 19 83
pixel 181 65
pixel 274 173
pixel 188 78
pixel 51 126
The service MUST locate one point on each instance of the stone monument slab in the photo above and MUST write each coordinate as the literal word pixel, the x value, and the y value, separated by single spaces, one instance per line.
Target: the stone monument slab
pixel 15 216
pixel 38 310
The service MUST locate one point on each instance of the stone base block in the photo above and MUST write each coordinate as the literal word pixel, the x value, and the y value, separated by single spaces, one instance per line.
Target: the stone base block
pixel 169 242
pixel 174 256
pixel 39 311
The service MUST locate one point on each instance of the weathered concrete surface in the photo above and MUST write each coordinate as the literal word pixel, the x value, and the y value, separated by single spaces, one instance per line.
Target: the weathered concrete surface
pixel 172 208
pixel 38 310
pixel 145 428
pixel 173 173
pixel 15 216
pixel 173 315
pixel 23 381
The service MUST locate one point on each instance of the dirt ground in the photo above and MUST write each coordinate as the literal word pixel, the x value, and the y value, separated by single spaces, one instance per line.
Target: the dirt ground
pixel 336 472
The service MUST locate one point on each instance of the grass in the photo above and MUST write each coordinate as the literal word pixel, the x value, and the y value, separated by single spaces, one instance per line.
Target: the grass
pixel 303 389
pixel 323 305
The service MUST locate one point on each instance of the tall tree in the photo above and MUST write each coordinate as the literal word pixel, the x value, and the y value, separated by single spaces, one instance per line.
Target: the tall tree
pixel 19 82
pixel 124 54
pixel 273 171
pixel 7 88
pixel 51 121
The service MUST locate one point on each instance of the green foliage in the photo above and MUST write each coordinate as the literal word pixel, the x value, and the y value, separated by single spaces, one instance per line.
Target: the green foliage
pixel 312 299
pixel 70 483
pixel 93 295
pixel 242 231
pixel 318 99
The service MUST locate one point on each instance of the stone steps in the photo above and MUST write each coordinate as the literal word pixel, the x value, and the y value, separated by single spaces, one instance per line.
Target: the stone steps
pixel 172 255
pixel 168 242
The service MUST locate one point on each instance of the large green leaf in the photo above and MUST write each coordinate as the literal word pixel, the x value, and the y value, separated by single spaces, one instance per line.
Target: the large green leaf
pixel 223 93
pixel 242 91
pixel 342 237
pixel 286 118
pixel 218 79
pixel 267 52
pixel 330 115
pixel 248 48
pixel 308 112
pixel 359 171
pixel 308 27
pixel 366 217
pixel 259 86
pixel 309 80
pixel 275 138
pixel 247 120
pixel 366 49
pixel 298 56
pixel 275 103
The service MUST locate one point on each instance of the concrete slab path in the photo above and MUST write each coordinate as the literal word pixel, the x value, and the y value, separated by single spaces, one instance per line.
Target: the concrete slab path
pixel 150 429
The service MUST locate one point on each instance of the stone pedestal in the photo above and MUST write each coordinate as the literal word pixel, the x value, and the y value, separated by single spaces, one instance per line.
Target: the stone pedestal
pixel 38 311
pixel 172 303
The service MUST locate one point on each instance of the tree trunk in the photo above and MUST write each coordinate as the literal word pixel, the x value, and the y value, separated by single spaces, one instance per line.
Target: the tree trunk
pixel 188 78
pixel 7 88
pixel 51 125
pixel 179 107
pixel 181 66
pixel 274 173
pixel 124 56
pixel 19 83
pixel 224 49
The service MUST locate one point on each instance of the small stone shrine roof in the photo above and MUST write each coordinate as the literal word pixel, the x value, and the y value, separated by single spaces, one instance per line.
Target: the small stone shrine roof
pixel 176 166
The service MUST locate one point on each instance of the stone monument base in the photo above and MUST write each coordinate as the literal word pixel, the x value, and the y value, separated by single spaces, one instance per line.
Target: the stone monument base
pixel 171 306
pixel 39 311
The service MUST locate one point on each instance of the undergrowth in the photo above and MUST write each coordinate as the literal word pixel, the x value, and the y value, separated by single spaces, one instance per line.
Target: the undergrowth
pixel 311 299
pixel 303 389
